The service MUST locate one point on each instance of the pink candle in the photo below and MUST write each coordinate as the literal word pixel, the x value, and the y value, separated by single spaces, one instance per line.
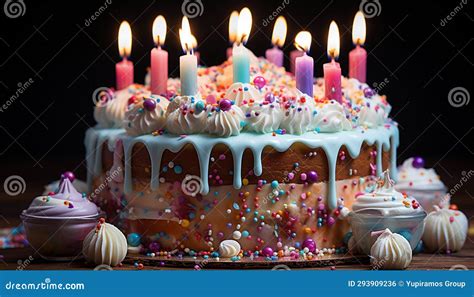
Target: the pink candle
pixel 228 52
pixel 358 63
pixel 293 55
pixel 358 56
pixel 124 69
pixel 159 71
pixel 124 74
pixel 275 56
pixel 159 58
pixel 332 70
pixel 198 57
pixel 332 81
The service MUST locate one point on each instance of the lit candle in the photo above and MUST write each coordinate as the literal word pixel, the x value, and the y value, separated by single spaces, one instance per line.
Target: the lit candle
pixel 124 69
pixel 304 65
pixel 293 55
pixel 233 24
pixel 275 55
pixel 159 58
pixel 358 56
pixel 240 55
pixel 332 70
pixel 187 62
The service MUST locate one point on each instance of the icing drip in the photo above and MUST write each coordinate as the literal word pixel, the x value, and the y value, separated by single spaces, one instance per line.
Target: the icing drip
pixel 384 137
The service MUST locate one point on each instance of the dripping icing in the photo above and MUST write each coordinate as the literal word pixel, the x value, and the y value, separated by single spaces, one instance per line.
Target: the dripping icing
pixel 385 138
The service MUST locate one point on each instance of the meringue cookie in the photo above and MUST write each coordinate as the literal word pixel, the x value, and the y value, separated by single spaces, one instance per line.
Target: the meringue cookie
pixel 226 123
pixel 299 115
pixel 186 115
pixel 140 121
pixel 410 177
pixel 331 118
pixel 241 93
pixel 391 251
pixel 229 248
pixel 105 245
pixel 386 201
pixel 263 117
pixel 371 116
pixel 445 230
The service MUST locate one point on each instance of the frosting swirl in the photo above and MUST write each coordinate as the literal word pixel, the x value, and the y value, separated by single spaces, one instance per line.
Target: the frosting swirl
pixel 371 116
pixel 66 202
pixel 145 117
pixel 186 115
pixel 410 177
pixel 263 117
pixel 225 123
pixel 242 93
pixel 386 201
pixel 299 115
pixel 331 118
pixel 229 248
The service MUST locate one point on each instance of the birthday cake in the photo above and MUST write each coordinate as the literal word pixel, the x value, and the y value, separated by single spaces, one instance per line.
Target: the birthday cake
pixel 260 164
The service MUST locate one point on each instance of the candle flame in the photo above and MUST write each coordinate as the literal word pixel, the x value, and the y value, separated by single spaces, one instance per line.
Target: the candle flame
pixel 279 32
pixel 303 41
pixel 333 41
pixel 185 36
pixel 159 30
pixel 244 25
pixel 233 25
pixel 358 29
pixel 125 39
pixel 194 42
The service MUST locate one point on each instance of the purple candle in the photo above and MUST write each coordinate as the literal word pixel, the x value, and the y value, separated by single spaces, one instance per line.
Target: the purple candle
pixel 293 55
pixel 275 55
pixel 304 65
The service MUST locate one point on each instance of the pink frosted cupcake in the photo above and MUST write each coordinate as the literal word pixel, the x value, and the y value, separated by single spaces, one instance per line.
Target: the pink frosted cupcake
pixel 422 183
pixel 56 224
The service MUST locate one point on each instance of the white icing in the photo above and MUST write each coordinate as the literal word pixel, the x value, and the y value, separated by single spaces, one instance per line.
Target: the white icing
pixel 226 123
pixel 263 117
pixel 229 248
pixel 107 245
pixel 139 121
pixel 331 118
pixel 298 116
pixel 391 251
pixel 182 117
pixel 242 92
pixel 371 116
pixel 385 201
pixel 445 229
pixel 410 177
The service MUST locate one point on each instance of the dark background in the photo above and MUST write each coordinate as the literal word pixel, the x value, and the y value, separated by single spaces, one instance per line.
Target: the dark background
pixel 68 57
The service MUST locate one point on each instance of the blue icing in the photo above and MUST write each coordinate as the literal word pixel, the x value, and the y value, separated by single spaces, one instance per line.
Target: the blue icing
pixel 383 138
